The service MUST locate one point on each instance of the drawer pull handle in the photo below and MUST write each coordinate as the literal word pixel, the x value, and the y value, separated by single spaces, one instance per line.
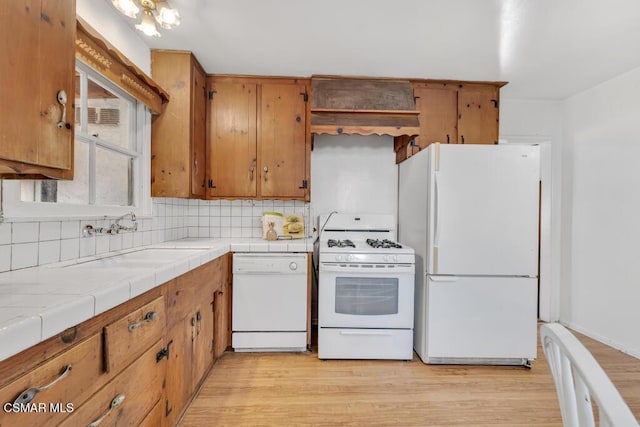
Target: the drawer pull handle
pixel 29 394
pixel 149 317
pixel 117 401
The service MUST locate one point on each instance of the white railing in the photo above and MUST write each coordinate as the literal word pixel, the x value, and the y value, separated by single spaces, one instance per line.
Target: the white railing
pixel 580 381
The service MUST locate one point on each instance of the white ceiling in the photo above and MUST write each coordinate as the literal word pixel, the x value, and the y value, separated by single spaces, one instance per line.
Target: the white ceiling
pixel 546 49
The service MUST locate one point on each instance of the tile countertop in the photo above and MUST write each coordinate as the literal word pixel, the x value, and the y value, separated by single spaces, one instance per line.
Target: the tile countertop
pixel 40 302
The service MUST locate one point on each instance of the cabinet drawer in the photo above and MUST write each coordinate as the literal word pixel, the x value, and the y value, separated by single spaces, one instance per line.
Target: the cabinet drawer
pixel 72 377
pixel 126 338
pixel 128 398
pixel 192 288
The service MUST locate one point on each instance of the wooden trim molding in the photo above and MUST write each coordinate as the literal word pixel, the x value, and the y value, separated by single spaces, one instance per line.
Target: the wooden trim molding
pixel 101 55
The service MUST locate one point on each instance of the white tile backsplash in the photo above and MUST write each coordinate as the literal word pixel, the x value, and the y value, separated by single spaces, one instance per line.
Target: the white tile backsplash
pixel 48 252
pixel 70 229
pixel 88 246
pixel 24 255
pixel 50 231
pixel 25 232
pixel 127 240
pixel 102 244
pixel 5 258
pixel 69 249
pixel 5 233
pixel 27 244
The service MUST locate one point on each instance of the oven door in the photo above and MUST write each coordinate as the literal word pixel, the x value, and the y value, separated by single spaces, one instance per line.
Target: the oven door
pixel 365 296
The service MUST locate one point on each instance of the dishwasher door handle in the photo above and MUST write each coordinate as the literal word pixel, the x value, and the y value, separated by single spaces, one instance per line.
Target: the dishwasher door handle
pixel 366 333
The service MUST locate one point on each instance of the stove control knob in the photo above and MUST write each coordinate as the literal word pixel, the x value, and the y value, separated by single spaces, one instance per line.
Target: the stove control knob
pixel 293 266
pixel 338 257
pixel 394 258
pixel 350 257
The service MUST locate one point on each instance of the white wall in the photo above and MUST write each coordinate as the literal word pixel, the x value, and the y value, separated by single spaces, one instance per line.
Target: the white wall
pixel 354 174
pixel 601 226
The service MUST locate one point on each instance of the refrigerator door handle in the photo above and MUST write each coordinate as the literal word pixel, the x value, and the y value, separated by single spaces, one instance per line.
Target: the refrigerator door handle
pixel 443 278
pixel 436 217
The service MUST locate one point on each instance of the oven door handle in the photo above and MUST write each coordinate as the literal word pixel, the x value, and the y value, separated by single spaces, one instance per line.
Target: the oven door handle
pixel 395 270
pixel 366 333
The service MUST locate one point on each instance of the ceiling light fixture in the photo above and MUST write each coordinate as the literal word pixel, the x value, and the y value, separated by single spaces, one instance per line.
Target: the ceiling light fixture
pixel 153 11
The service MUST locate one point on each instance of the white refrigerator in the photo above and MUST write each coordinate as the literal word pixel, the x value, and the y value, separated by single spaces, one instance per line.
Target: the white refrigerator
pixel 471 214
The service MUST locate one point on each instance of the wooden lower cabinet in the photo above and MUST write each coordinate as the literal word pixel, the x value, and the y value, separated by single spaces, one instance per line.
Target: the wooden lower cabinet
pixel 137 364
pixel 192 330
pixel 129 397
pixel 72 376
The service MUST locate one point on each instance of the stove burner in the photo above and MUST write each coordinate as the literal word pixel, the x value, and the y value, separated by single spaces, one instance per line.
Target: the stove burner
pixel 340 243
pixel 383 244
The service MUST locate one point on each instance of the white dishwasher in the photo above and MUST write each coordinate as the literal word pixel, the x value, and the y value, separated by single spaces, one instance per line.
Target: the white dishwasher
pixel 269 302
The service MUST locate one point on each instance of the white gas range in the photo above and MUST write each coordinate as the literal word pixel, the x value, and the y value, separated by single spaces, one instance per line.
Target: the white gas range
pixel 365 290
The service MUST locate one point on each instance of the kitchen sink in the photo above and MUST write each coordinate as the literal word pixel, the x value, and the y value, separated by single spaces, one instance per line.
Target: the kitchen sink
pixel 144 258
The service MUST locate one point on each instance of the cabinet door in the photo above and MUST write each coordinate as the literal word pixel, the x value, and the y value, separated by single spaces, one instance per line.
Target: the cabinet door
pixel 172 132
pixel 282 140
pixel 438 108
pixel 39 63
pixel 203 342
pixel 198 133
pixel 232 140
pixel 58 34
pixel 222 316
pixel 478 114
pixel 178 380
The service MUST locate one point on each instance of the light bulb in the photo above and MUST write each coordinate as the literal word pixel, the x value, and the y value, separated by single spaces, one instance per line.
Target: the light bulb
pixel 147 25
pixel 166 16
pixel 126 7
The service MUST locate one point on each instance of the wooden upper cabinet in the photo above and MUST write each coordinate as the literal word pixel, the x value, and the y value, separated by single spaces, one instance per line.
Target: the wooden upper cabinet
pixel 178 135
pixel 283 140
pixel 258 139
pixel 36 136
pixel 232 168
pixel 453 112
pixel 438 106
pixel 478 114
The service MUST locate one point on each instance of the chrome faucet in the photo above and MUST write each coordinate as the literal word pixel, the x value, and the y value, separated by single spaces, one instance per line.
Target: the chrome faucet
pixel 116 227
pixel 131 215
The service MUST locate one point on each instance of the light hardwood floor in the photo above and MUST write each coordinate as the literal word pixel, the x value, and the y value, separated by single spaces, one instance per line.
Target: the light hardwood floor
pixel 298 389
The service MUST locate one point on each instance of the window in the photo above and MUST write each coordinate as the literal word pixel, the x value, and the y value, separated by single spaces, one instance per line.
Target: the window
pixel 111 156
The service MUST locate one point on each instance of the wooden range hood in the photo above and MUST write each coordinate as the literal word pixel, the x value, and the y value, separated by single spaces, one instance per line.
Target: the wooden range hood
pixel 363 106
